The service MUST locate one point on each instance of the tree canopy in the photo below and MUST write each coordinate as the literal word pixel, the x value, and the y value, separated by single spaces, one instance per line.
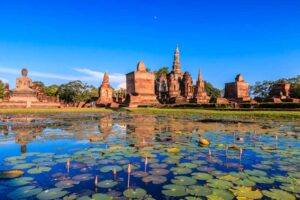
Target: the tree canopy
pixel 262 89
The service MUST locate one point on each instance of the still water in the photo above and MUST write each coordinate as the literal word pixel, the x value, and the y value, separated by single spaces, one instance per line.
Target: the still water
pixel 131 156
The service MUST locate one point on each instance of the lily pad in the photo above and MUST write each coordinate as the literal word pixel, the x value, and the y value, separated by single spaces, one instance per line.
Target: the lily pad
pixel 134 193
pixel 38 170
pixel 107 184
pixel 278 194
pixel 53 193
pixel 24 192
pixel 173 190
pixel 183 180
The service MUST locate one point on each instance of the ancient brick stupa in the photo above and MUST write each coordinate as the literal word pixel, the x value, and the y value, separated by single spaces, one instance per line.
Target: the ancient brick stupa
pixel 200 96
pixel 238 90
pixel 105 92
pixel 140 88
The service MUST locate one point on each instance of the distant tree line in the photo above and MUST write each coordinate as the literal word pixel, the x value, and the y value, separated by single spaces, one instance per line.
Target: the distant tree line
pixel 263 88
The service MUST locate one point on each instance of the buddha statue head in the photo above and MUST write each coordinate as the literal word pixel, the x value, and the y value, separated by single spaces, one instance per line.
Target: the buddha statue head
pixel 24 72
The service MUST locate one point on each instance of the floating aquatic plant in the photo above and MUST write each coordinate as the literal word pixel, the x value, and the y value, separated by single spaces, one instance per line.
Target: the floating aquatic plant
pixel 134 193
pixel 110 168
pixel 155 179
pixel 10 174
pixel 173 190
pixel 201 176
pixel 38 170
pixel 53 193
pixel 183 180
pixel 278 194
pixel 181 170
pixel 197 190
pixel 24 192
pixel 246 192
pixel 107 184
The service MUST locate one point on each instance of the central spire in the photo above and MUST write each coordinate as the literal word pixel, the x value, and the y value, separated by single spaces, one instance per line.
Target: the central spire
pixel 176 62
pixel 199 75
pixel 105 78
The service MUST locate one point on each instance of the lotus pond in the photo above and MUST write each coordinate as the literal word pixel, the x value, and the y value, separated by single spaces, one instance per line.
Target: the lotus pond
pixel 138 156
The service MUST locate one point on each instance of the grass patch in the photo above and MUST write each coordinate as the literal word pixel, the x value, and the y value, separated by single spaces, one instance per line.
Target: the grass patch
pixel 284 115
pixel 55 110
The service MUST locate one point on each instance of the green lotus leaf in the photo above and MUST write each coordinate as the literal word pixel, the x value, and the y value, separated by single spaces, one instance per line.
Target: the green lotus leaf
pixel 107 184
pixel 201 176
pixel 83 177
pixel 66 184
pixel 110 168
pixel 53 193
pixel 291 188
pixel 173 190
pixel 158 165
pixel 134 193
pixel 261 179
pixel 24 192
pixel 183 180
pixel 100 196
pixel 154 179
pixel 19 181
pixel 181 170
pixel 278 194
pixel 229 177
pixel 23 166
pixel 224 194
pixel 38 170
pixel 188 165
pixel 246 192
pixel 244 182
pixel 256 172
pixel 214 197
pixel 220 184
pixel 197 190
pixel 159 172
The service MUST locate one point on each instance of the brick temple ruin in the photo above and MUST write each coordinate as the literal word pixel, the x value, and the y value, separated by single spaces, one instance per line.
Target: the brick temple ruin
pixel 27 95
pixel 145 88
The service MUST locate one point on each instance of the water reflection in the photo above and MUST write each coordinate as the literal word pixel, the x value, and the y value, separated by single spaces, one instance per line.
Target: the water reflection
pixel 115 153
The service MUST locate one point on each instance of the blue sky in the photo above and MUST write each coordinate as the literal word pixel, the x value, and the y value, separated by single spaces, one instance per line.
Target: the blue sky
pixel 60 41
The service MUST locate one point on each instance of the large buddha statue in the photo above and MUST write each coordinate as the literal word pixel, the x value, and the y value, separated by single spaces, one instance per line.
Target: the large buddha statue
pixel 24 83
pixel 23 90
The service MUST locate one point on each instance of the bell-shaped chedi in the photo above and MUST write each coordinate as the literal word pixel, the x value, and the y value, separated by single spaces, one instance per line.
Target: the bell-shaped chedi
pixel 238 90
pixel 105 92
pixel 140 87
pixel 200 96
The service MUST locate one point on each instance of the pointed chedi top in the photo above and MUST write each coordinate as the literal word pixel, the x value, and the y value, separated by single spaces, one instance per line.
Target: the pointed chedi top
pixel 176 62
pixel 105 78
pixel 199 75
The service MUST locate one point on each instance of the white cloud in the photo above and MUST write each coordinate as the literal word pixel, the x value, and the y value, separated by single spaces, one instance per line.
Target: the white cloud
pixel 4 80
pixel 88 76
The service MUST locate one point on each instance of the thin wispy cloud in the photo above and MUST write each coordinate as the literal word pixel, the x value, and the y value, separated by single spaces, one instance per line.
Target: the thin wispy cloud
pixel 88 76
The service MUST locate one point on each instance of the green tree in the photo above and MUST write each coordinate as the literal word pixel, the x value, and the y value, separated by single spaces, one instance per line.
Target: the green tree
pixel 211 90
pixel 295 86
pixel 161 71
pixel 261 89
pixel 75 92
pixel 51 90
pixel 1 89
pixel 39 84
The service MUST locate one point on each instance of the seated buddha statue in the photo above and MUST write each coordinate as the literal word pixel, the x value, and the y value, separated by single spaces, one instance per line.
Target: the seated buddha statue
pixel 24 83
